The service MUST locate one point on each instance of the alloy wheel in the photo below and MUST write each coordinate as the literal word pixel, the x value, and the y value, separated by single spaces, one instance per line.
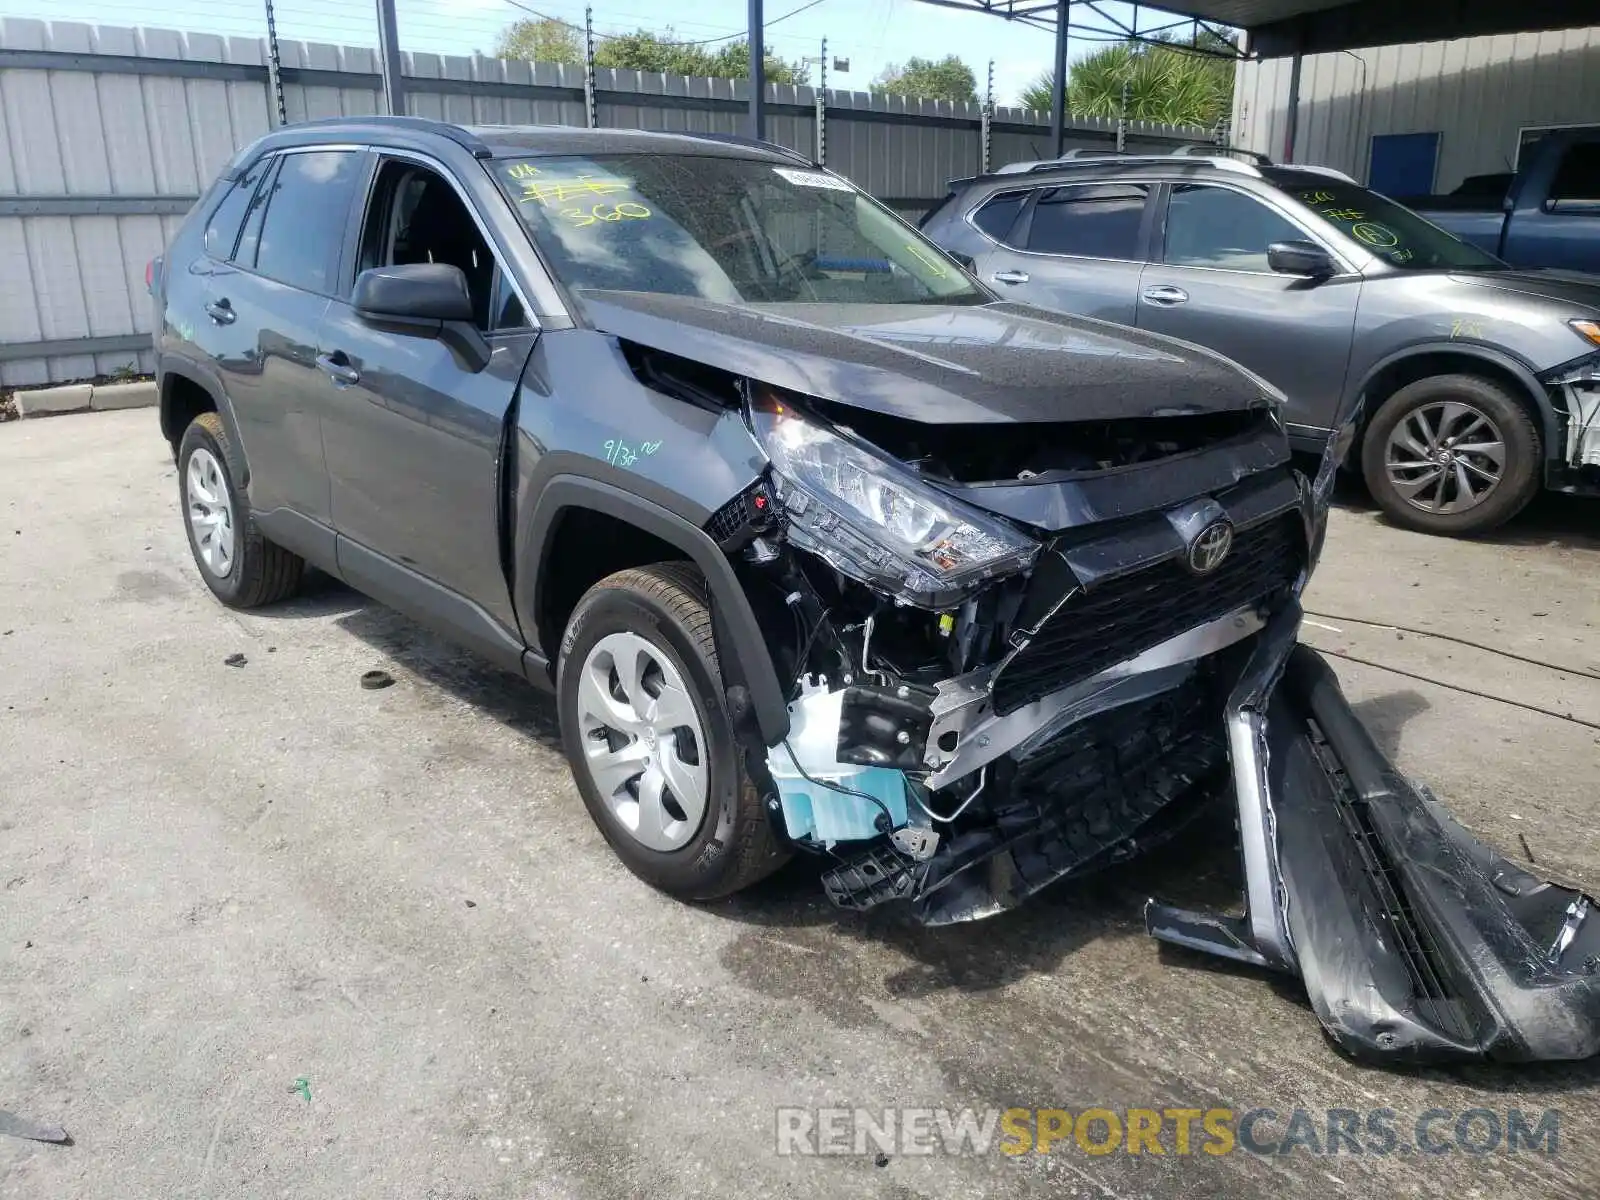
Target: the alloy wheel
pixel 1445 457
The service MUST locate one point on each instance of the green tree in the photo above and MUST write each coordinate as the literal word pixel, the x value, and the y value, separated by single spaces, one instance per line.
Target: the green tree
pixel 544 40
pixel 947 79
pixel 642 50
pixel 1163 83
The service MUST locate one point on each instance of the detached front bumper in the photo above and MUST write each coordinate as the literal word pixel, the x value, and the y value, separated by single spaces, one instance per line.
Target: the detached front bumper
pixel 1415 941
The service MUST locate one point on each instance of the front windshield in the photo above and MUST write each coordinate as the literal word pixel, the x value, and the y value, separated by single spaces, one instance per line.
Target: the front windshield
pixel 732 230
pixel 1396 234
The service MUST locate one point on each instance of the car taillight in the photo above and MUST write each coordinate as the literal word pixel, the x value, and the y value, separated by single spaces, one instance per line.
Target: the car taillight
pixel 152 274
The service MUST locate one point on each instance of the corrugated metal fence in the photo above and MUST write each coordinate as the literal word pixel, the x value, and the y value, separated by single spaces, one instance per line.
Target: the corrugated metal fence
pixel 111 133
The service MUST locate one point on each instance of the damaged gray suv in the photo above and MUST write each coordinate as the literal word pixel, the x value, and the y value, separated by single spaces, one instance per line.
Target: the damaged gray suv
pixel 824 549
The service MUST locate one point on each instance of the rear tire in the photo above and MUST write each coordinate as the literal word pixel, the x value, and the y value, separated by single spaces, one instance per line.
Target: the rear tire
pixel 240 566
pixel 1456 455
pixel 643 718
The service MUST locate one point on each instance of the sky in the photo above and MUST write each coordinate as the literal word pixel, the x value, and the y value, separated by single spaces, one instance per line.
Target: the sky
pixel 871 33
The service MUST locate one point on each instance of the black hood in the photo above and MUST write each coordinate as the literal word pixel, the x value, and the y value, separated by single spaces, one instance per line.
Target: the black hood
pixel 1572 288
pixel 939 364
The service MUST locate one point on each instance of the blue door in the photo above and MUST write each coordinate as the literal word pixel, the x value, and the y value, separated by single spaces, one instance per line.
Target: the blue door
pixel 1403 164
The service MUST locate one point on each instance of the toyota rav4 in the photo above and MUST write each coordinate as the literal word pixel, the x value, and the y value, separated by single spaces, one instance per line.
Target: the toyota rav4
pixel 824 549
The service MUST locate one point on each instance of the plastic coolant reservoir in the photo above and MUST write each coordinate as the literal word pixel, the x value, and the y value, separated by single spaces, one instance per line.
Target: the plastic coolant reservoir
pixel 819 813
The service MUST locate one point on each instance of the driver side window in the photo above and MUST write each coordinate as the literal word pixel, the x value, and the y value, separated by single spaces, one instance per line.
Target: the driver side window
pixel 1220 228
pixel 415 216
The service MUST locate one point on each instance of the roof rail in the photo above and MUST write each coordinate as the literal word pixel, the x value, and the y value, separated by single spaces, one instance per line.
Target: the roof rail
pixel 462 137
pixel 738 139
pixel 1197 151
pixel 1081 157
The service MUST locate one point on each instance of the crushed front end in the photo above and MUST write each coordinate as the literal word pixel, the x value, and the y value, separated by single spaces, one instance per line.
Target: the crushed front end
pixel 1011 663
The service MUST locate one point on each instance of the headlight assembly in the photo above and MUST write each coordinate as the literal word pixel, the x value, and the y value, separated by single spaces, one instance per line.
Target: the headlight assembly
pixel 1587 329
pixel 876 521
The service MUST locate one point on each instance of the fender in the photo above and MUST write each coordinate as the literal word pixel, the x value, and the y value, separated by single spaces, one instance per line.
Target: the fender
pixel 205 376
pixel 739 636
pixel 1550 429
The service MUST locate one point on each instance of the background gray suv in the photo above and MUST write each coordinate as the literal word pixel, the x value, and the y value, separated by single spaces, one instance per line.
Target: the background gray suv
pixel 1478 380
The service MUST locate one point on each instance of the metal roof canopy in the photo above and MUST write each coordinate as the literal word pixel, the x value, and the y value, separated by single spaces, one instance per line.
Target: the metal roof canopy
pixel 1279 28
pixel 1276 28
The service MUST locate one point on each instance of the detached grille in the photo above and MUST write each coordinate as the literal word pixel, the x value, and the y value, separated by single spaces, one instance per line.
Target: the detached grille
pixel 1127 616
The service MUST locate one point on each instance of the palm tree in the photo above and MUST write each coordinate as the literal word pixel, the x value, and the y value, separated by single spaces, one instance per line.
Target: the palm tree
pixel 1144 82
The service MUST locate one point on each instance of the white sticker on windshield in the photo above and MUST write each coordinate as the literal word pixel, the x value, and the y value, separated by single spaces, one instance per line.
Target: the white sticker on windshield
pixel 817 179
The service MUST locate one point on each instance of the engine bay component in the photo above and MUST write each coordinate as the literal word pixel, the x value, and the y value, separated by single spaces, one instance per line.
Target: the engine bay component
pixel 885 726
pixel 1583 422
pixel 826 801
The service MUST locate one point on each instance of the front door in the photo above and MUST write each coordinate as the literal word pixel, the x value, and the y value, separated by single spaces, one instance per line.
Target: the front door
pixel 1076 249
pixel 1210 283
pixel 413 436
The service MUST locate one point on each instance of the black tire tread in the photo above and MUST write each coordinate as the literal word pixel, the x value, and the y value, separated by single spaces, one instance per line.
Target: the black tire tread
pixel 1497 510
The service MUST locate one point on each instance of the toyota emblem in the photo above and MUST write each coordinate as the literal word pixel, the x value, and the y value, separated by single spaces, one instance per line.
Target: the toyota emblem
pixel 1210 547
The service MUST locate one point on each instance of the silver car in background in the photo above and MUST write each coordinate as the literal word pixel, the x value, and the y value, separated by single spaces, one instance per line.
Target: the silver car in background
pixel 1477 383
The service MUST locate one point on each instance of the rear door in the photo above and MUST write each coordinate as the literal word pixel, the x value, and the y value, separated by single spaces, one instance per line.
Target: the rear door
pixel 1210 283
pixel 414 437
pixel 262 310
pixel 1076 248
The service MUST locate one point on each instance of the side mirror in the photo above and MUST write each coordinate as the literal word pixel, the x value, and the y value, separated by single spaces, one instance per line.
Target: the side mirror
pixel 421 292
pixel 1301 258
pixel 423 300
pixel 966 260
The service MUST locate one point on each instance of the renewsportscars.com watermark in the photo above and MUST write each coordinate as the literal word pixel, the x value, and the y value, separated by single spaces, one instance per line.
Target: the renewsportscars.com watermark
pixel 969 1132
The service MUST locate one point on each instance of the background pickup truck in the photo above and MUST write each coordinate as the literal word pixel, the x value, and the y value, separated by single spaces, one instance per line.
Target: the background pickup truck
pixel 1548 216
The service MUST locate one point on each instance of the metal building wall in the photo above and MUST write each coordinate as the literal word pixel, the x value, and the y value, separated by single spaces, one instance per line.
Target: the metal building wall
pixel 109 136
pixel 1476 92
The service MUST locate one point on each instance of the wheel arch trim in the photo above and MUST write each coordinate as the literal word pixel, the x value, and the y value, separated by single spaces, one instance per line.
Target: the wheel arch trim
pixel 741 641
pixel 1531 389
pixel 171 366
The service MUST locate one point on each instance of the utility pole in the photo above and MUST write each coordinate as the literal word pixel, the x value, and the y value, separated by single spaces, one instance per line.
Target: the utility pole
pixel 274 78
pixel 1122 121
pixel 986 125
pixel 822 108
pixel 1058 93
pixel 591 113
pixel 394 87
pixel 758 73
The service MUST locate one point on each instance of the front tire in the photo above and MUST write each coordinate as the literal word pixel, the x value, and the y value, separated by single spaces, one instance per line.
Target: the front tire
pixel 646 728
pixel 1453 454
pixel 240 566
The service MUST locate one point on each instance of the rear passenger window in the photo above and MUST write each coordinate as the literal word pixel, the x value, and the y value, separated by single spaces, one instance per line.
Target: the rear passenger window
pixel 1091 220
pixel 1577 182
pixel 222 231
pixel 1000 213
pixel 250 236
pixel 307 206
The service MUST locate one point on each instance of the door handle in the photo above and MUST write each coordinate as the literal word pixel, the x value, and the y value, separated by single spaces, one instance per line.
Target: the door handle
pixel 1166 294
pixel 220 312
pixel 337 367
pixel 1010 277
